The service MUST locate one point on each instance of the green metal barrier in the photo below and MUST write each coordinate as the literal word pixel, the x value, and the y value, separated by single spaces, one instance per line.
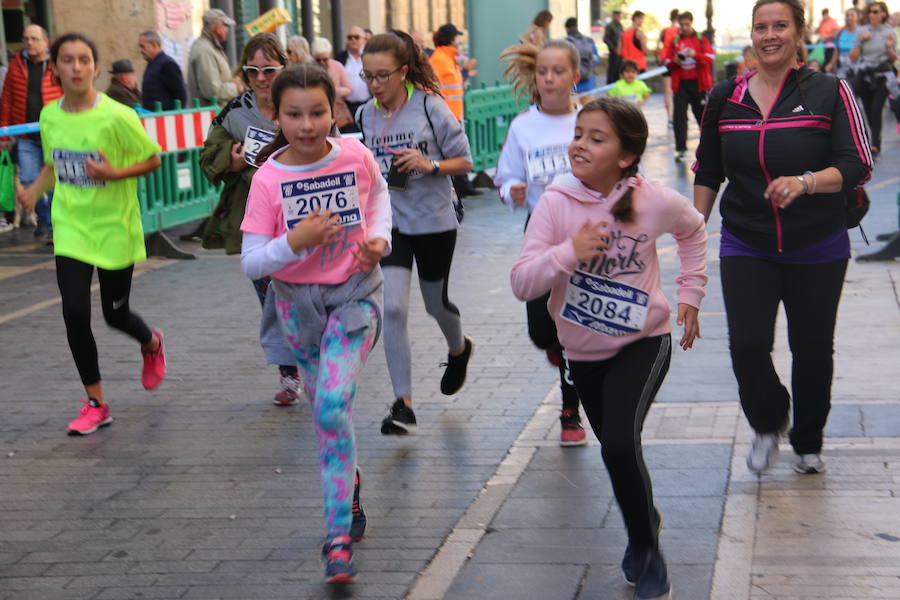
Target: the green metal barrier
pixel 177 192
pixel 488 113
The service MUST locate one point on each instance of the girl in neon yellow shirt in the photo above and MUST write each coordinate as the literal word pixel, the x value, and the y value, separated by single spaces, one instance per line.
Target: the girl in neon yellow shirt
pixel 94 149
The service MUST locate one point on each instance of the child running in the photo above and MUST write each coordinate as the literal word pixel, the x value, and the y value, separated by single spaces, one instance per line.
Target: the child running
pixel 535 151
pixel 318 220
pixel 592 243
pixel 94 150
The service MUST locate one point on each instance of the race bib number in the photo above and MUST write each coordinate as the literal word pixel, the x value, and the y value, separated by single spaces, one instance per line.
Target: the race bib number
pixel 545 163
pixel 70 168
pixel 604 306
pixel 336 192
pixel 255 140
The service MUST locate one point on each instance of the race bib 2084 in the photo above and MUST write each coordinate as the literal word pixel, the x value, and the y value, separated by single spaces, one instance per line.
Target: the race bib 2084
pixel 604 306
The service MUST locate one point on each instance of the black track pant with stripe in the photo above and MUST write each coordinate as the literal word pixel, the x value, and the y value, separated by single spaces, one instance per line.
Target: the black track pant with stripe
pixel 616 394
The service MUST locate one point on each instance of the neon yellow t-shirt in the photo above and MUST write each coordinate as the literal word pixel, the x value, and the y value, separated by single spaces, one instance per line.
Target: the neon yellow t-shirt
pixel 96 222
pixel 635 91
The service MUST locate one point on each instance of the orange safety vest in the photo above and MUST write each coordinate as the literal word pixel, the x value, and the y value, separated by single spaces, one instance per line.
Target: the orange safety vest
pixel 443 61
pixel 631 52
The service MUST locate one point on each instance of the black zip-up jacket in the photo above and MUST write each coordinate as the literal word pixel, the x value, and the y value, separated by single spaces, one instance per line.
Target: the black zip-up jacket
pixel 813 124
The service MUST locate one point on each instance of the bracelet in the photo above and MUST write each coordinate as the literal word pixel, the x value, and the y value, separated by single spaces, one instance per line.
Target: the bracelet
pixel 813 175
pixel 803 181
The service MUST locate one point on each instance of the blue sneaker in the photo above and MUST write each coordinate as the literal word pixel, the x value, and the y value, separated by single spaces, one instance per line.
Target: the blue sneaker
pixel 338 557
pixel 630 567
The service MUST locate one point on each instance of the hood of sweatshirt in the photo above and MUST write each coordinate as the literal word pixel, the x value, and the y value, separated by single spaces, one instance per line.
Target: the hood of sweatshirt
pixel 572 187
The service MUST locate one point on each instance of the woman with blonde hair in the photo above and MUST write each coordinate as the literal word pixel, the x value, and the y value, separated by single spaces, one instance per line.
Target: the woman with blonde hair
pixel 298 51
pixel 322 54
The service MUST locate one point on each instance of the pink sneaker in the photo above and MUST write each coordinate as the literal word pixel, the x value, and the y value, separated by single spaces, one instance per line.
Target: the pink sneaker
pixel 154 365
pixel 290 391
pixel 90 419
pixel 571 433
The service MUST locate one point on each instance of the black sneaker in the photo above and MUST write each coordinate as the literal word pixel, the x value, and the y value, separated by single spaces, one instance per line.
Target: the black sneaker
pixel 653 582
pixel 400 421
pixel 358 525
pixel 455 374
pixel 630 567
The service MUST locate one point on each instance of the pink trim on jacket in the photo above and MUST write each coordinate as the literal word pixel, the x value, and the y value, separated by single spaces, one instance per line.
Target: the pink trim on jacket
pixel 548 257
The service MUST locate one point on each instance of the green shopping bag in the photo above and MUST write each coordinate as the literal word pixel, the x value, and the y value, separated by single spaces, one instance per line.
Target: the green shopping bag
pixel 7 182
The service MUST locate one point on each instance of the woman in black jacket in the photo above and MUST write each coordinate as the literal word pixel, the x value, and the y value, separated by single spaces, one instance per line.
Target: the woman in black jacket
pixel 790 141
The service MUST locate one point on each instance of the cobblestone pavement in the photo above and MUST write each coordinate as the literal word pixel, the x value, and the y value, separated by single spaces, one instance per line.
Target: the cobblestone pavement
pixel 204 489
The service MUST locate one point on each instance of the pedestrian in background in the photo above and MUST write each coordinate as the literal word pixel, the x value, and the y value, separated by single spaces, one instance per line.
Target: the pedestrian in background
pixel 444 61
pixel 633 45
pixel 538 32
pixel 845 40
pixel 321 52
pixel 629 87
pixel 588 57
pixel 876 51
pixel 298 50
pixel 536 151
pixel 228 158
pixel 666 36
pixel 123 84
pixel 94 151
pixel 351 58
pixel 323 259
pixel 209 75
pixel 612 37
pixel 29 85
pixel 613 317
pixel 163 81
pixel 418 144
pixel 793 248
pixel 689 60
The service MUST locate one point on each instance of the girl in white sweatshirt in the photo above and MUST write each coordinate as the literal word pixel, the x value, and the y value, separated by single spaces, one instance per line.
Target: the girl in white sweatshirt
pixel 534 153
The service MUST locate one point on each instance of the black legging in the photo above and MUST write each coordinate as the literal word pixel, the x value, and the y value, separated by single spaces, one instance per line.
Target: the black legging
pixel 74 280
pixel 688 94
pixel 873 94
pixel 616 394
pixel 753 289
pixel 542 331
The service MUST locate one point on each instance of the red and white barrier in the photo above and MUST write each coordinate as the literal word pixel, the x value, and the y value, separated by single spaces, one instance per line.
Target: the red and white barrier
pixel 180 131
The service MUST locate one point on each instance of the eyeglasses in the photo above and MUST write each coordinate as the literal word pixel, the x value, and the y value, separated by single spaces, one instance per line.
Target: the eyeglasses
pixel 253 72
pixel 380 77
pixel 874 11
pixel 353 36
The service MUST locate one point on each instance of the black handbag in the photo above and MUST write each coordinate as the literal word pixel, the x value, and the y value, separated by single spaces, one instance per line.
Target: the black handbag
pixel 857 205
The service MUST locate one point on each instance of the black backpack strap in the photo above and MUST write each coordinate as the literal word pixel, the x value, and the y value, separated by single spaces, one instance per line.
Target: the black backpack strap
pixel 431 125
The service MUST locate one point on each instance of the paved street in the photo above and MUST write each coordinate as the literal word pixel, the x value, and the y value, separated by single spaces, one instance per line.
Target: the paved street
pixel 203 489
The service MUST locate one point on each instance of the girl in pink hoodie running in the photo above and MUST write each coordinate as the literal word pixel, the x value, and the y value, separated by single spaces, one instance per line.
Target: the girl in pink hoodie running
pixel 591 241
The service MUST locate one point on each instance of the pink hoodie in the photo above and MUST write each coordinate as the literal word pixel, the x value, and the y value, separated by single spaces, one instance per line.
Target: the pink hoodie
pixel 616 299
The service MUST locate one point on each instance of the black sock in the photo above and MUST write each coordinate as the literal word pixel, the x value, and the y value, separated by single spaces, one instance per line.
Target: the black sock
pixel 287 370
pixel 93 402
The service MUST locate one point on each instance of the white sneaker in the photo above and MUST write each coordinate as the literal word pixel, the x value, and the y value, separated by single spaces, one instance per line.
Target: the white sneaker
pixel 809 464
pixel 763 452
pixel 5 225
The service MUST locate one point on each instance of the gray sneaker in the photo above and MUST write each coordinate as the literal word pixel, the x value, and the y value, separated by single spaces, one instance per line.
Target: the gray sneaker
pixel 763 452
pixel 809 464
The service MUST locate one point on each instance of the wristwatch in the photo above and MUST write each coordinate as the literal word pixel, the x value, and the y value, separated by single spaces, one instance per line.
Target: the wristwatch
pixel 435 167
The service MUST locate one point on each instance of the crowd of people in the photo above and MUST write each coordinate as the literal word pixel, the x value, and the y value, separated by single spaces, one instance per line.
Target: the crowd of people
pixel 328 227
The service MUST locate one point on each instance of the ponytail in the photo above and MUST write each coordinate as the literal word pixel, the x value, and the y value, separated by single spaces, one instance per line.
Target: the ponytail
pixel 630 127
pixel 406 52
pixel 521 66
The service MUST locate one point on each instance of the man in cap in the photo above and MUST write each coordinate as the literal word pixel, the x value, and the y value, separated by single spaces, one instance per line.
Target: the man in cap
pixel 209 75
pixel 123 87
pixel 163 81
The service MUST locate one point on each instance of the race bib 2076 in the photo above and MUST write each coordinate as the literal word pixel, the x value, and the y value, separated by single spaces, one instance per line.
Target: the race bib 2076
pixel 336 192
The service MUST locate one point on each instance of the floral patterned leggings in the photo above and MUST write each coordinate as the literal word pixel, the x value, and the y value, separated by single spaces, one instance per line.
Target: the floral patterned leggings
pixel 330 372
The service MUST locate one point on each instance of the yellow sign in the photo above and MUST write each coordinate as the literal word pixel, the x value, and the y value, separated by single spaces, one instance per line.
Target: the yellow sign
pixel 268 21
